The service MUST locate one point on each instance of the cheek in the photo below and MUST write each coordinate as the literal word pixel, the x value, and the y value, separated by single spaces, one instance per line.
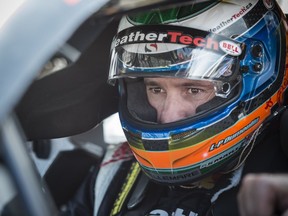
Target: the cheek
pixel 191 105
pixel 196 103
pixel 188 107
pixel 201 97
pixel 155 100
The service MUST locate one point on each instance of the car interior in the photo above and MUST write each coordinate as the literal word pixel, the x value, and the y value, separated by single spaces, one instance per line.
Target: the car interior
pixel 56 128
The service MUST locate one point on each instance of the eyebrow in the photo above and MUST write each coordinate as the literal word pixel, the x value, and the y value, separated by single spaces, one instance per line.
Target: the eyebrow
pixel 150 82
pixel 188 83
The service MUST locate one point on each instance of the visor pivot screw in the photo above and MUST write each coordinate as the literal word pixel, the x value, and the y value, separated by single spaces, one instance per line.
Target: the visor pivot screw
pixel 226 88
pixel 257 67
pixel 257 51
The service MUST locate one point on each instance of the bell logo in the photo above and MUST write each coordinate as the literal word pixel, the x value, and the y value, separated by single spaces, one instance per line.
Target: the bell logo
pixel 230 48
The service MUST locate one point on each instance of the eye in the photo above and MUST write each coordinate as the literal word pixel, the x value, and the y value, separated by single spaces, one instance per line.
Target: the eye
pixel 194 90
pixel 156 90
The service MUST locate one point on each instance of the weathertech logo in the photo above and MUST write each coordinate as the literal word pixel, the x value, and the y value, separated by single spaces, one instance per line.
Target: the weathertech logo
pixel 233 18
pixel 152 36
pixel 176 37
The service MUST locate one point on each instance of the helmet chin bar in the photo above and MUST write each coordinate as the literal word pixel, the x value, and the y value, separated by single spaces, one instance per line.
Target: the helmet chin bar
pixel 195 175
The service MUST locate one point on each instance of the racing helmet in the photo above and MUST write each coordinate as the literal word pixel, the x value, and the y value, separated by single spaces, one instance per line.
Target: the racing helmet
pixel 239 47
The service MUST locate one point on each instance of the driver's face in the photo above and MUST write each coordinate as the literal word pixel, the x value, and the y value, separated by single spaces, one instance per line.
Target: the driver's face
pixel 175 98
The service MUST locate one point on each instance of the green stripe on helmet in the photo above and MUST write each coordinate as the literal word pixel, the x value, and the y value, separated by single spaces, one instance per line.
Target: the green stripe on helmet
pixel 166 16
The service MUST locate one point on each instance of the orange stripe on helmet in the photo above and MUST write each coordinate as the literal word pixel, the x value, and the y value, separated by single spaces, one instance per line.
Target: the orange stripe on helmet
pixel 180 158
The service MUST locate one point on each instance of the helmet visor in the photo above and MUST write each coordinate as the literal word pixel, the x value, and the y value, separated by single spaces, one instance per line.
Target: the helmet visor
pixel 172 51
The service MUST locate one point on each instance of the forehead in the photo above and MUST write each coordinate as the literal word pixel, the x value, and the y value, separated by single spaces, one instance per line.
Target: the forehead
pixel 176 81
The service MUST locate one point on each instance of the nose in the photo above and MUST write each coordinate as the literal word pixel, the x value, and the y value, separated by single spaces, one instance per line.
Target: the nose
pixel 175 108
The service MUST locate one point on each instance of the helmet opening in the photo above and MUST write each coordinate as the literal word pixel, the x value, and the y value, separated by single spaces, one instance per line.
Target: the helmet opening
pixel 138 105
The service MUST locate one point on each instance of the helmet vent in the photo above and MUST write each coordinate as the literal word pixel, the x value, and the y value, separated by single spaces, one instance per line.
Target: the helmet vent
pixel 183 135
pixel 155 145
